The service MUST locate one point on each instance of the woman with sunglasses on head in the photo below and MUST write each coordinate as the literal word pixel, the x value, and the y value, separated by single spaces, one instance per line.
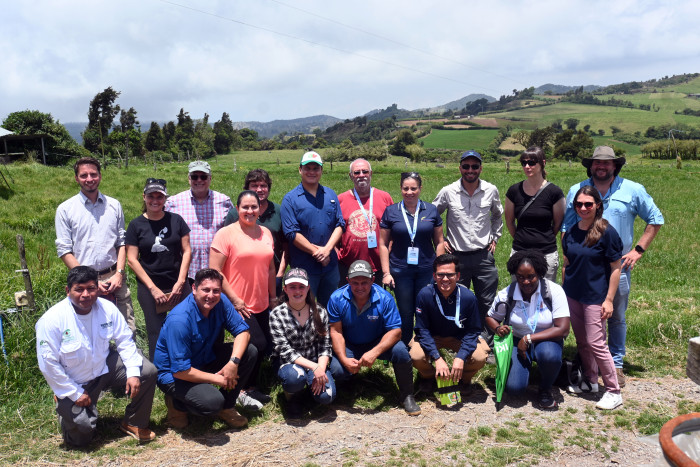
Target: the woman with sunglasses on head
pixel 534 210
pixel 538 315
pixel 591 273
pixel 244 253
pixel 414 229
pixel 158 251
pixel 302 344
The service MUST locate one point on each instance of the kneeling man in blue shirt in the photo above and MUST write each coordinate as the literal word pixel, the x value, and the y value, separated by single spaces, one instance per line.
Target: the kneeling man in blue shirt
pixel 197 374
pixel 447 316
pixel 365 325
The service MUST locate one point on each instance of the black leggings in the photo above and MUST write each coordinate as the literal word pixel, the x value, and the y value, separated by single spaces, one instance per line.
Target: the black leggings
pixel 259 324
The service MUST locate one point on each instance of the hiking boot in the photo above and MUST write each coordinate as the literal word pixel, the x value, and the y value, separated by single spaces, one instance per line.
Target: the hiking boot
pixel 545 400
pixel 176 418
pixel 248 402
pixel 293 407
pixel 258 396
pixel 144 435
pixel 609 401
pixel 621 380
pixel 410 406
pixel 232 418
pixel 583 387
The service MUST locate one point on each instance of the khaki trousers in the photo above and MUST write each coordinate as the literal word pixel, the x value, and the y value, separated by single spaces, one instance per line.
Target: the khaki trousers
pixel 472 365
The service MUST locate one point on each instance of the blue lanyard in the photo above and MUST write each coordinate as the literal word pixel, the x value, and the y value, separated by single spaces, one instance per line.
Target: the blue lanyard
pixel 532 320
pixel 411 233
pixel 457 306
pixel 362 208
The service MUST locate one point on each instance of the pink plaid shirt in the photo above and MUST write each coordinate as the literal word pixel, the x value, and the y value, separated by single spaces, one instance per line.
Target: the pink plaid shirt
pixel 204 220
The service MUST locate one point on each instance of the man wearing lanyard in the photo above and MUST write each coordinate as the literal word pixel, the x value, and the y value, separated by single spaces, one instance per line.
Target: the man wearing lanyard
pixel 362 207
pixel 447 317
pixel 474 226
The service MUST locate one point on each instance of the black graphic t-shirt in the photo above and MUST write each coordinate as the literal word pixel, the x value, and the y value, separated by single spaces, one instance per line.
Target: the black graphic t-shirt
pixel 160 246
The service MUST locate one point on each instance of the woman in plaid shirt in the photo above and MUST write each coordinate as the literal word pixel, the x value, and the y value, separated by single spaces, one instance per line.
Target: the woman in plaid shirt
pixel 299 328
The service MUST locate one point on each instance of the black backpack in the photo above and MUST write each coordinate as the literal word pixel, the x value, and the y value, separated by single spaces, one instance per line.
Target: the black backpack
pixel 510 301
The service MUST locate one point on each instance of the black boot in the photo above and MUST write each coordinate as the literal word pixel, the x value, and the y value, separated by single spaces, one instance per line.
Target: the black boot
pixel 404 379
pixel 294 406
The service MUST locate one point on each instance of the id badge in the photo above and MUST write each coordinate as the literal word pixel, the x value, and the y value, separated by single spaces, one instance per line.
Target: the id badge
pixel 371 239
pixel 412 256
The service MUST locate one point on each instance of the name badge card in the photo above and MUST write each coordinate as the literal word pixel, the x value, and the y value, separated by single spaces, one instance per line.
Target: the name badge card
pixel 371 239
pixel 412 256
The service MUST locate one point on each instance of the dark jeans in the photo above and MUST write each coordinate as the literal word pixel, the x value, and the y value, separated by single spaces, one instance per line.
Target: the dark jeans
pixel 408 282
pixel 154 321
pixel 79 424
pixel 547 354
pixel 259 324
pixel 479 268
pixel 205 398
pixel 397 354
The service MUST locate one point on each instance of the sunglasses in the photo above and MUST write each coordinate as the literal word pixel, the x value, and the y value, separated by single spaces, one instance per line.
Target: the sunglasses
pixel 530 163
pixel 361 172
pixel 587 204
pixel 443 275
pixel 159 181
pixel 405 175
pixel 471 166
pixel 196 177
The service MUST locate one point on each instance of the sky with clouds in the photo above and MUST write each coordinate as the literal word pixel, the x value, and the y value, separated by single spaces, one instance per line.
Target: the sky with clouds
pixel 271 59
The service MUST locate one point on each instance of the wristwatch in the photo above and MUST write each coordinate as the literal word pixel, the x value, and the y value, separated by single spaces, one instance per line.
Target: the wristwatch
pixel 235 360
pixel 639 249
pixel 122 271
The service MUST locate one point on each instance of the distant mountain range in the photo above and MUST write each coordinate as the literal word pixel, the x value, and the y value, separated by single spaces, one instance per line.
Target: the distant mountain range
pixel 309 124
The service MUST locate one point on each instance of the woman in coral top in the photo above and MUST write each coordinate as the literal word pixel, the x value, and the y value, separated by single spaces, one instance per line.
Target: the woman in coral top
pixel 243 253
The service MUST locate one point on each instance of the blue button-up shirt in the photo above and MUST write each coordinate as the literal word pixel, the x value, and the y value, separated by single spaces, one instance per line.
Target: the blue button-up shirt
pixel 315 217
pixel 369 325
pixel 187 337
pixel 624 201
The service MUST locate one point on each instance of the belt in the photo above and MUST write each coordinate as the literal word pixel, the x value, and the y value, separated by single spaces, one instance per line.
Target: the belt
pixel 471 252
pixel 111 268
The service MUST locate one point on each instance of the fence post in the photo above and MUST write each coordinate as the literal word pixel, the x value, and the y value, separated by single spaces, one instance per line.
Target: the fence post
pixel 25 273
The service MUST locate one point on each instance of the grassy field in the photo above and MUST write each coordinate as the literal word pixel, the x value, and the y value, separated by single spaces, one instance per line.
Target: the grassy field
pixel 459 139
pixel 663 311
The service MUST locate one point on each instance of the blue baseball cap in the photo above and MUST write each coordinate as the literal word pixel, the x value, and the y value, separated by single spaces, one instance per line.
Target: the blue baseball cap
pixel 470 153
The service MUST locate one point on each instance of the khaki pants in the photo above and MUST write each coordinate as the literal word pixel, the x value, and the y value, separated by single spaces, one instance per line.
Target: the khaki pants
pixel 122 297
pixel 425 368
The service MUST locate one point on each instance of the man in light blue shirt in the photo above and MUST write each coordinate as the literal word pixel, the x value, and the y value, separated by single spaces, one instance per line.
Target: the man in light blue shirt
pixel 623 201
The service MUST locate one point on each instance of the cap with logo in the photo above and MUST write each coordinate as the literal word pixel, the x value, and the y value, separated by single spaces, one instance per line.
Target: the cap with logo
pixel 360 268
pixel 311 156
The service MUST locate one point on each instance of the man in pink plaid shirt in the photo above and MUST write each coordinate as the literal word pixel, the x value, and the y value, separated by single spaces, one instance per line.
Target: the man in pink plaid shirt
pixel 203 209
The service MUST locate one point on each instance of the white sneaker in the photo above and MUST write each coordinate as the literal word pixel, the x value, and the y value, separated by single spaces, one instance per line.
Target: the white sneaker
pixel 609 401
pixel 247 402
pixel 583 386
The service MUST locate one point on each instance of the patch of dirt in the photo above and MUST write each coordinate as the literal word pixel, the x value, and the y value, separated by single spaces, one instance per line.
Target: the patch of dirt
pixel 580 434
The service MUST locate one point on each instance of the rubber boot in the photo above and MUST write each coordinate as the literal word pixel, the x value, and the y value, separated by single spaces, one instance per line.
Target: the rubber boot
pixel 404 379
pixel 294 407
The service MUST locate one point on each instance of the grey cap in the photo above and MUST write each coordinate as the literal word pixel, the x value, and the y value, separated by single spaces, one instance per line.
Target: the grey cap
pixel 360 268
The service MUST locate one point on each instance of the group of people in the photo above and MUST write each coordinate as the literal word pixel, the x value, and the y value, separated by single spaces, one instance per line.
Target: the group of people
pixel 307 283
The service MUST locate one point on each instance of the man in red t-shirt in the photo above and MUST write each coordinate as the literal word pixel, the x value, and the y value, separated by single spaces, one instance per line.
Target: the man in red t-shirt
pixel 362 208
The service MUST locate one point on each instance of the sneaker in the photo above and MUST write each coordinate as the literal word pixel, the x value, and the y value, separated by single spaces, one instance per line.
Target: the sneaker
pixel 410 406
pixel 176 418
pixel 258 396
pixel 144 435
pixel 583 386
pixel 546 401
pixel 247 402
pixel 621 380
pixel 609 401
pixel 491 359
pixel 232 418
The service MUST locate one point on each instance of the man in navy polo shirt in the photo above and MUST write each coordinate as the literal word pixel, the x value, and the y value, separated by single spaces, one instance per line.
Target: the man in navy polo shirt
pixel 197 374
pixel 365 325
pixel 313 224
pixel 447 316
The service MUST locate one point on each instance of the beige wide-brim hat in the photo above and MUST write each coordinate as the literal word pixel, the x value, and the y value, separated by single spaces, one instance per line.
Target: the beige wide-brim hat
pixel 603 153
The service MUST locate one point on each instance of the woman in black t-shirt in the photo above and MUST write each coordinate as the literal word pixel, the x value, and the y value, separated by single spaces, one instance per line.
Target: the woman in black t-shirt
pixel 158 251
pixel 535 226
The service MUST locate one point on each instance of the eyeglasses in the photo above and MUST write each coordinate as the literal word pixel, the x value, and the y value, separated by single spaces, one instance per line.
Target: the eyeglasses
pixel 195 177
pixel 530 163
pixel 471 166
pixel 361 172
pixel 587 204
pixel 445 275
pixel 159 181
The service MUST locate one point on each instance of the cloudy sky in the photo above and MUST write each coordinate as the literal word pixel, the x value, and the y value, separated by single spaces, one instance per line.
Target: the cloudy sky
pixel 268 59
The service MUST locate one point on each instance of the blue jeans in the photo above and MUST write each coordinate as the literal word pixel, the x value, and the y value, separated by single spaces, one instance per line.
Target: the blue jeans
pixel 323 285
pixel 408 283
pixel 398 354
pixel 617 325
pixel 295 378
pixel 547 354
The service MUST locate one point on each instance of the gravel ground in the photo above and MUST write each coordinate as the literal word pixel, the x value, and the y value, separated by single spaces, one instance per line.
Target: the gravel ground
pixel 577 434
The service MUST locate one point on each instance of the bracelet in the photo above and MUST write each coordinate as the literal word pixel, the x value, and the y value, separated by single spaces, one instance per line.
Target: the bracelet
pixel 386 274
pixel 529 340
pixel 314 370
